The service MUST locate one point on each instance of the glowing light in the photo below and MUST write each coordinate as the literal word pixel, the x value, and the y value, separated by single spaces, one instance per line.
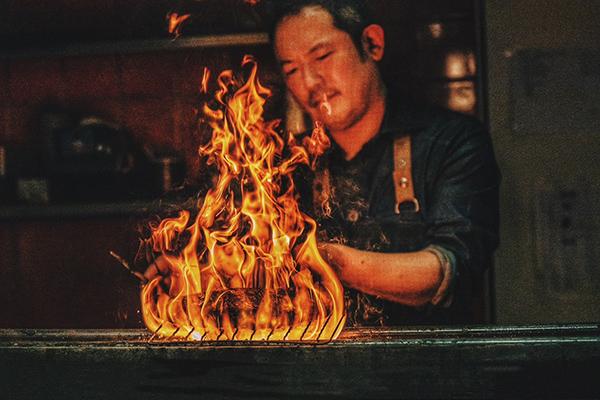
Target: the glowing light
pixel 460 64
pixel 436 30
pixel 461 97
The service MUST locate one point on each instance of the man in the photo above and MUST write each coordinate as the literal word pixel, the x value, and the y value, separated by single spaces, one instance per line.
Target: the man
pixel 415 227
pixel 418 259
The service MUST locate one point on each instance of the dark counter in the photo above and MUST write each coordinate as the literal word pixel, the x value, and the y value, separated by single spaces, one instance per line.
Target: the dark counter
pixel 558 361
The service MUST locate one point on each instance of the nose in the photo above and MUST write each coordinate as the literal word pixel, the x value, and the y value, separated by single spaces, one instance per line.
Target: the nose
pixel 312 78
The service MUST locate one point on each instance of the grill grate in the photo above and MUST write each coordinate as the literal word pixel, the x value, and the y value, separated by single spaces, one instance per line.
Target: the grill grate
pixel 157 338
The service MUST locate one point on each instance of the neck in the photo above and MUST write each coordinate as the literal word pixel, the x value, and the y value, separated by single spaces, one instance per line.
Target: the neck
pixel 353 138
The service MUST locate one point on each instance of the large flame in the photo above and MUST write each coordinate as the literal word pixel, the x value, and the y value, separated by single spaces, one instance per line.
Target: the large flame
pixel 249 267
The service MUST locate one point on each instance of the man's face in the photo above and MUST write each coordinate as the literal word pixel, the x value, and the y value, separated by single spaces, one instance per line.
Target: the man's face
pixel 321 63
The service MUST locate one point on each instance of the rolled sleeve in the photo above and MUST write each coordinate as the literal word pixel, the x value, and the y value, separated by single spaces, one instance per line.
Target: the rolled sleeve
pixel 463 213
pixel 443 296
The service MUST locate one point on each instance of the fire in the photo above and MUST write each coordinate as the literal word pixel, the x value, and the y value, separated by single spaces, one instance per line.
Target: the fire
pixel 175 23
pixel 246 267
pixel 205 79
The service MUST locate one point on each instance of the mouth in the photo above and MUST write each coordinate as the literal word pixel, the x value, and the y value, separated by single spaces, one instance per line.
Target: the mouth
pixel 323 102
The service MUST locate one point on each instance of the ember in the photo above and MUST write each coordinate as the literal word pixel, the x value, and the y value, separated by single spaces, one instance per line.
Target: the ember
pixel 247 266
pixel 175 22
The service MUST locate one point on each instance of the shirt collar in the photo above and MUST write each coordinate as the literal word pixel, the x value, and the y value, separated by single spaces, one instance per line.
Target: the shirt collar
pixel 401 116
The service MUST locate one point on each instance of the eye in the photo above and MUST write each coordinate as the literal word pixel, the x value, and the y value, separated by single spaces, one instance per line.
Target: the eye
pixel 324 56
pixel 290 72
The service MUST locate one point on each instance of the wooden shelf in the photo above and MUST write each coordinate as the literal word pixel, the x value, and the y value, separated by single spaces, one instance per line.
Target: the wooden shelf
pixel 139 46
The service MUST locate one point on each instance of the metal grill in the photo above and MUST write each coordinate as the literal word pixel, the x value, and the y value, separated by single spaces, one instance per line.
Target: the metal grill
pixel 318 341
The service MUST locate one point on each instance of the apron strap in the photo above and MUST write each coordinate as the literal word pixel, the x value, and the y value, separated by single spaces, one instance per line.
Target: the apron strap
pixel 403 183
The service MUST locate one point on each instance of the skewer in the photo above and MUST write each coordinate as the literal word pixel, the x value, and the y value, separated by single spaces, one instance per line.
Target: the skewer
pixel 336 328
pixel 324 325
pixel 125 264
pixel 305 329
pixel 189 333
pixel 155 332
pixel 174 333
pixel 269 336
pixel 287 333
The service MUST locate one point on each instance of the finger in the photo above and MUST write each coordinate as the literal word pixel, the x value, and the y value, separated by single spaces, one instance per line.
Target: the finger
pixel 161 266
pixel 323 250
pixel 151 272
pixel 329 251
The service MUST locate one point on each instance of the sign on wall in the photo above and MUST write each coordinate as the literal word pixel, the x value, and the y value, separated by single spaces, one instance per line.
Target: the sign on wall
pixel 555 91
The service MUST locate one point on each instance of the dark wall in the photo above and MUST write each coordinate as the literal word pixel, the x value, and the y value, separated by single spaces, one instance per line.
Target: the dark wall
pixel 543 76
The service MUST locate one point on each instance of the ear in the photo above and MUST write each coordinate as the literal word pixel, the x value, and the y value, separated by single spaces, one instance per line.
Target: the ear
pixel 373 41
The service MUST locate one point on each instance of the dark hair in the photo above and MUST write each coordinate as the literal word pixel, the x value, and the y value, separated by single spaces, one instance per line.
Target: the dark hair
pixel 351 16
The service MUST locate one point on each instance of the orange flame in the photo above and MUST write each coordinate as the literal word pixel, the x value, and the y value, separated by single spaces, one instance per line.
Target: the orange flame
pixel 317 143
pixel 175 23
pixel 205 78
pixel 249 267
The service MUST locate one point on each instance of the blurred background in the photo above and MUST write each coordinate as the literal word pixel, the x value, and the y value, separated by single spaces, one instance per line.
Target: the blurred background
pixel 98 127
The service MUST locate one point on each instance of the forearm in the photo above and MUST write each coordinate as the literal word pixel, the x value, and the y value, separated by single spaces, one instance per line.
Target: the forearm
pixel 409 278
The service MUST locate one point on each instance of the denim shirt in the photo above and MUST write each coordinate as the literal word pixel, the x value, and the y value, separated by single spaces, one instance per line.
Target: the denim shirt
pixel 456 181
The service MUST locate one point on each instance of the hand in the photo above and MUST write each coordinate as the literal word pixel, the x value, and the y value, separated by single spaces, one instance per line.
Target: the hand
pixel 336 255
pixel 160 267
